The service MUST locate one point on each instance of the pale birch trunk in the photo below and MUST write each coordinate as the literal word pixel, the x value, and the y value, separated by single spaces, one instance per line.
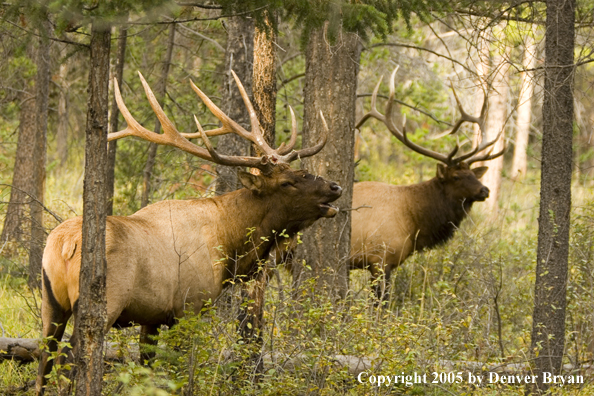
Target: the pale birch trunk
pixel 524 116
pixel 496 120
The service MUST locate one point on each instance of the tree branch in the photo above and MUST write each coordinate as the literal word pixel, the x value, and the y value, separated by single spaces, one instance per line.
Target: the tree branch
pixel 55 216
pixel 421 49
pixel 198 5
pixel 292 78
pixel 364 95
pixel 49 38
pixel 215 18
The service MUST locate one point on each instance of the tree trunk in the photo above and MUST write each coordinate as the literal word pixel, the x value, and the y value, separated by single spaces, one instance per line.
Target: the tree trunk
pixel 114 118
pixel 482 70
pixel 39 155
pixel 90 316
pixel 239 57
pixel 160 95
pixel 62 127
pixel 264 83
pixel 496 120
pixel 548 323
pixel 251 317
pixel 22 179
pixel 520 162
pixel 330 88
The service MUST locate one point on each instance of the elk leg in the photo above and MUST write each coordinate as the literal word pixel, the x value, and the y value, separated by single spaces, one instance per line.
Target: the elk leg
pixel 148 335
pixel 54 319
pixel 251 317
pixel 56 332
pixel 381 282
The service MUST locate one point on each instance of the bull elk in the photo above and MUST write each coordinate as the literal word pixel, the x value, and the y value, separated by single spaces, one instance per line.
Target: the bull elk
pixel 175 255
pixel 404 219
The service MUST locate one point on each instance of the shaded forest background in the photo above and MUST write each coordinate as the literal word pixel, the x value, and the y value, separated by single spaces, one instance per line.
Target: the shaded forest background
pixel 468 301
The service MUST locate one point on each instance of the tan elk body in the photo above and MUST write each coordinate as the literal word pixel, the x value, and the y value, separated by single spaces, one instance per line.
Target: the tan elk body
pixel 176 255
pixel 392 222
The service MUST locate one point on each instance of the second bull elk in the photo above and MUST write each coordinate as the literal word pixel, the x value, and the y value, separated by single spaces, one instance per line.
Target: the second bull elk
pixel 175 255
pixel 404 219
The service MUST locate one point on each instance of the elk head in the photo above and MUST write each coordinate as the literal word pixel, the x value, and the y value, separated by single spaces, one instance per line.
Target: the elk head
pixel 459 181
pixel 303 197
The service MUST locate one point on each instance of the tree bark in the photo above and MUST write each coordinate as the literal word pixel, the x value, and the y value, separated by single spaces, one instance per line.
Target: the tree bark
pixel 62 127
pixel 90 316
pixel 496 120
pixel 22 179
pixel 251 316
pixel 482 70
pixel 548 326
pixel 520 161
pixel 330 88
pixel 160 95
pixel 114 118
pixel 39 155
pixel 239 57
pixel 264 83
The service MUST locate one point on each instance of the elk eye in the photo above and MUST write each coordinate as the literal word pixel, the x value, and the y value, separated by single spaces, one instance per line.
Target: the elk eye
pixel 456 178
pixel 286 184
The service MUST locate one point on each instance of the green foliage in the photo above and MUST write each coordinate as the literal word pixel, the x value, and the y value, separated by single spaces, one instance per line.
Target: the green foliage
pixel 362 17
pixel 71 14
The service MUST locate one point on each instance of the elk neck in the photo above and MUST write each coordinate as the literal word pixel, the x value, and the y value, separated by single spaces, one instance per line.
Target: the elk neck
pixel 437 216
pixel 252 225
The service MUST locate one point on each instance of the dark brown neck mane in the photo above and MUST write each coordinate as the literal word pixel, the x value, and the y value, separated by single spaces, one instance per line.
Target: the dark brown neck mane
pixel 439 217
pixel 257 223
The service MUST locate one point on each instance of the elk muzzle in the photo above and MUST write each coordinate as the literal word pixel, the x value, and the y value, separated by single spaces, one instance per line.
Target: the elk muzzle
pixel 483 194
pixel 326 209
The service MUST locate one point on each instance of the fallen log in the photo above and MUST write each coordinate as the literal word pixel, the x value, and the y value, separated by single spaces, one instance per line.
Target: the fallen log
pixel 23 350
pixel 26 350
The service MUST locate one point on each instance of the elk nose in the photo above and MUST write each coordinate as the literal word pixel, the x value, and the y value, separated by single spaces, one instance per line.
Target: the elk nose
pixel 335 187
pixel 485 191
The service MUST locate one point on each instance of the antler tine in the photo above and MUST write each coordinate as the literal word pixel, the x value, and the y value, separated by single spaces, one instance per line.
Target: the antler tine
pixel 308 152
pixel 213 132
pixel 468 157
pixel 480 121
pixel 401 135
pixel 283 150
pixel 170 136
pixel 421 150
pixel 256 135
pixel 133 128
pixel 168 127
pixel 253 162
pixel 453 152
pixel 373 112
pixel 229 126
pixel 464 116
pixel 390 104
pixel 488 156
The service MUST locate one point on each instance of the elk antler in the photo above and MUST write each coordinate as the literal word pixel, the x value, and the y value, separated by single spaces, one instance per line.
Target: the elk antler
pixel 472 156
pixel 172 137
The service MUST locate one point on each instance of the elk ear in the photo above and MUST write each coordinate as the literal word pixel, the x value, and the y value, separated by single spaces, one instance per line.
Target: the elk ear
pixel 441 171
pixel 253 182
pixel 480 171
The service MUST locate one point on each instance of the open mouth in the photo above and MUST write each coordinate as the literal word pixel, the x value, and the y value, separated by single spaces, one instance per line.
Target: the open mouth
pixel 328 210
pixel 481 197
